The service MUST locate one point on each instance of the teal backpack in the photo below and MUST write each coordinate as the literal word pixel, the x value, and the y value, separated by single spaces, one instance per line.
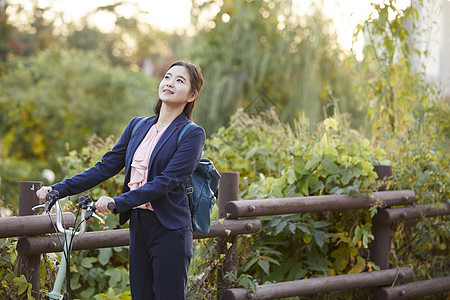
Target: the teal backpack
pixel 202 190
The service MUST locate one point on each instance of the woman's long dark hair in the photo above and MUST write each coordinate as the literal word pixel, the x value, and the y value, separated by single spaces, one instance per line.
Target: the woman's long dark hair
pixel 196 79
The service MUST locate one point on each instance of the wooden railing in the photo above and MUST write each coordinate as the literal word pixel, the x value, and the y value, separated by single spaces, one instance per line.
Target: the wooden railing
pixel 379 248
pixel 30 247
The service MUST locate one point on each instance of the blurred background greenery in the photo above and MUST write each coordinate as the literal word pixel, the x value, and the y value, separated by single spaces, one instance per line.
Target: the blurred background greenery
pixel 61 81
pixel 283 104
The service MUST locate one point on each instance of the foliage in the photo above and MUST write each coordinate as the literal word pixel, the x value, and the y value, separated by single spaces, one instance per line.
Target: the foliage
pixel 393 86
pixel 330 160
pixel 130 44
pixel 11 284
pixel 298 162
pixel 8 257
pixel 262 146
pixel 95 272
pixel 410 120
pixel 261 54
pixel 251 145
pixel 44 102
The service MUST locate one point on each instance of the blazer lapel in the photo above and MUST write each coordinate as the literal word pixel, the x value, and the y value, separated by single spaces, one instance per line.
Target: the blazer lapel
pixel 165 137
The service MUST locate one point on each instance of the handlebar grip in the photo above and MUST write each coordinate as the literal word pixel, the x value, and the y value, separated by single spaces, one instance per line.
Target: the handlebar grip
pixel 51 198
pixel 111 206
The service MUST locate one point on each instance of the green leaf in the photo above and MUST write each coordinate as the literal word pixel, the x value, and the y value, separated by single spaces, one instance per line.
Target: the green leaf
pixel 88 261
pixel 304 228
pixel 292 228
pixel 312 181
pixel 264 265
pixel 291 191
pixel 359 266
pixel 347 175
pixel 291 178
pixel 104 256
pixel 251 263
pixel 318 187
pixel 329 165
pixel 88 293
pixel 307 238
pixel 366 167
pixel 21 283
pixel 319 237
pixel 300 167
pixel 313 162
pixel 280 227
pixel 358 235
pixel 320 224
pixel 297 271
pixel 115 277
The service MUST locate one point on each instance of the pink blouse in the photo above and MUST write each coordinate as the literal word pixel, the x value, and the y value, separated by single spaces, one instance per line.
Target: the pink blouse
pixel 141 158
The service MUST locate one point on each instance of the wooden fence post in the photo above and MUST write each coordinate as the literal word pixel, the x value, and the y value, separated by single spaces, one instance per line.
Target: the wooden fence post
pixel 228 191
pixel 29 265
pixel 381 245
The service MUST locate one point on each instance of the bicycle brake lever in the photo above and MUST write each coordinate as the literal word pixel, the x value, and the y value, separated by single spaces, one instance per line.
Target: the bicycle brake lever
pixel 90 212
pixel 38 206
pixel 98 217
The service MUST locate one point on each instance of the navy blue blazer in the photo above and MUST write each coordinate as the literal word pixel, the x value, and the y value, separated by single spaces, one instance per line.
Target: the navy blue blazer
pixel 169 167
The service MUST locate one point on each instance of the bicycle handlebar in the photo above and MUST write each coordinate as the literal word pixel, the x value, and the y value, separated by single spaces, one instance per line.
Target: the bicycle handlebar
pixel 111 206
pixel 85 203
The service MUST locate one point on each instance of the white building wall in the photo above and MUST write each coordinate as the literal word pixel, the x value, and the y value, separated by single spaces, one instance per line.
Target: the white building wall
pixel 434 22
pixel 444 70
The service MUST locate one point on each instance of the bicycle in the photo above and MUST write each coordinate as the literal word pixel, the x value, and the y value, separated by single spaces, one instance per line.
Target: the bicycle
pixel 87 207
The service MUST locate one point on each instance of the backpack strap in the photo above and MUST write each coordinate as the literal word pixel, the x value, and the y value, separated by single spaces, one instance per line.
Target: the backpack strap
pixel 180 135
pixel 136 126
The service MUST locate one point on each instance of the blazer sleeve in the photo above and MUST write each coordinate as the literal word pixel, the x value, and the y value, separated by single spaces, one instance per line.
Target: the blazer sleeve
pixel 112 163
pixel 180 166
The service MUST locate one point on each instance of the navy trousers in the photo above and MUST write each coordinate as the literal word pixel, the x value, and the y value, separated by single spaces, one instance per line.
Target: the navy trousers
pixel 159 258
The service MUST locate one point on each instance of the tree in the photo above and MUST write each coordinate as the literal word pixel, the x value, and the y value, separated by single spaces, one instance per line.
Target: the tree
pixel 259 54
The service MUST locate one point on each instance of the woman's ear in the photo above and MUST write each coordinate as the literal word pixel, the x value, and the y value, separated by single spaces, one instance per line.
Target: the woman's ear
pixel 193 96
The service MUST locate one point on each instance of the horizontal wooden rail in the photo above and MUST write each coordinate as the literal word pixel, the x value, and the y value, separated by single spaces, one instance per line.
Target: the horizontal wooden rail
pixel 392 215
pixel 32 225
pixel 415 289
pixel 270 207
pixel 120 237
pixel 321 285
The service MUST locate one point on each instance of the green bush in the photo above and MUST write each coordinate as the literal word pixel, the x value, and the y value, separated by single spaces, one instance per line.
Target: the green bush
pixel 61 97
pixel 95 272
pixel 276 161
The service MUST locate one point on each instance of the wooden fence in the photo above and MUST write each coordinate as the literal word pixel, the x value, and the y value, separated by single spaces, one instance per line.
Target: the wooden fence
pixel 30 247
pixel 380 248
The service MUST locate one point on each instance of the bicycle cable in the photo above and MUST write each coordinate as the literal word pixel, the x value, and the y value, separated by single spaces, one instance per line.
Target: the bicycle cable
pixel 76 227
pixel 66 256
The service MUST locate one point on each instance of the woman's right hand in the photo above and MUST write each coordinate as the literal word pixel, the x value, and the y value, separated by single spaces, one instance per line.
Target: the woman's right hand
pixel 42 192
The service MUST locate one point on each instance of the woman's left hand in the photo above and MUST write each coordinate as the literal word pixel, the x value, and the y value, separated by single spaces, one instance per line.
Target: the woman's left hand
pixel 102 204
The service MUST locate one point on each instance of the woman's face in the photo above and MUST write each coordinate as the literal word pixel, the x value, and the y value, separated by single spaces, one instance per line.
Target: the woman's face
pixel 175 87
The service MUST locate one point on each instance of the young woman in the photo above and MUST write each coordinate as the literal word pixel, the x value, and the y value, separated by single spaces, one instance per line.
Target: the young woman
pixel 154 197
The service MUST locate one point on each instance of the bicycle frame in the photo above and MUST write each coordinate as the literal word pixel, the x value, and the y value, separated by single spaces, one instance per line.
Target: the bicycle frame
pixel 88 211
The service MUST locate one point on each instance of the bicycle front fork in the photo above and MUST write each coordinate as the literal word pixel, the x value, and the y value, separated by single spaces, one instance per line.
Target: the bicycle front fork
pixel 57 287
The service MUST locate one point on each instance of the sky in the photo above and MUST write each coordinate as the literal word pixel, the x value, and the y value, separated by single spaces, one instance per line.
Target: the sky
pixel 174 15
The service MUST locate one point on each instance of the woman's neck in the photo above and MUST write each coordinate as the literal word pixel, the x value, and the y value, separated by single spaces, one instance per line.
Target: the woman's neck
pixel 166 116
